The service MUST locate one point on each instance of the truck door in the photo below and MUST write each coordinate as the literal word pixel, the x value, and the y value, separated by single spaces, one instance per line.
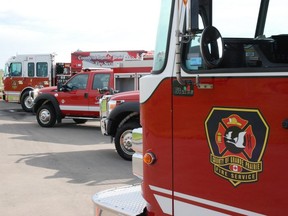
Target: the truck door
pixel 100 85
pixel 228 138
pixel 74 99
pixel 13 81
pixel 26 72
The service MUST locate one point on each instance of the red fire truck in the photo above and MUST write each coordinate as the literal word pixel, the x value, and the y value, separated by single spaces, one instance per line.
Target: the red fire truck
pixel 213 114
pixel 79 97
pixel 118 60
pixel 23 73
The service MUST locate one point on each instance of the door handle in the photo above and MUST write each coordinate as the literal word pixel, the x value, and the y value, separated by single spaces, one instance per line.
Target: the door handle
pixel 202 85
pixel 85 95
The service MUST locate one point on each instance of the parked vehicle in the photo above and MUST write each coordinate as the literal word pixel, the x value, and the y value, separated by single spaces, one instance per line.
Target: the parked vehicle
pixel 79 97
pixel 213 114
pixel 24 73
pixel 120 114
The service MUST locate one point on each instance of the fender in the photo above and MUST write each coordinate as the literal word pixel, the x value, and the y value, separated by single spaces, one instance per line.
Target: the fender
pixel 119 113
pixel 28 88
pixel 47 98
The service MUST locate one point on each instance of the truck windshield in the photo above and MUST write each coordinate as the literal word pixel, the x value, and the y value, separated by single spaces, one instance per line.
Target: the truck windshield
pixel 162 35
pixel 16 69
pixel 233 19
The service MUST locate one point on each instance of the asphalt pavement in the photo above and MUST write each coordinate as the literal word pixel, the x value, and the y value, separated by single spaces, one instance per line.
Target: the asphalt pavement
pixel 54 171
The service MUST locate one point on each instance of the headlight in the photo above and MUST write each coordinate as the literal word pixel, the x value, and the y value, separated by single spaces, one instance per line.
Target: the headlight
pixel 35 93
pixel 113 103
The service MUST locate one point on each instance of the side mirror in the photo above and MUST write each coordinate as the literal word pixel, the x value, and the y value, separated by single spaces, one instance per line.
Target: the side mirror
pixel 59 86
pixel 211 47
pixel 114 91
pixel 102 90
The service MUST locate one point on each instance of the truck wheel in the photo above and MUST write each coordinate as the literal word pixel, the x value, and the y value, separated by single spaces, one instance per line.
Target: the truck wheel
pixel 46 116
pixel 26 102
pixel 123 140
pixel 80 121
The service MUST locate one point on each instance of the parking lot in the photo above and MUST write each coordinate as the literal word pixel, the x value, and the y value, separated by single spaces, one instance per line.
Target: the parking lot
pixel 54 171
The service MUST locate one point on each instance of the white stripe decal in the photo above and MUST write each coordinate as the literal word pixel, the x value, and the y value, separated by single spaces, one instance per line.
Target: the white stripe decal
pixel 80 108
pixel 149 83
pixel 194 209
pixel 12 92
pixel 161 190
pixel 181 207
pixel 94 108
pixel 248 74
pixel 165 203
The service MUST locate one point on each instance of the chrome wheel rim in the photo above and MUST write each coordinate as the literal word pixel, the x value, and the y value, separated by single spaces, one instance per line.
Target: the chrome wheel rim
pixel 126 142
pixel 28 102
pixel 44 116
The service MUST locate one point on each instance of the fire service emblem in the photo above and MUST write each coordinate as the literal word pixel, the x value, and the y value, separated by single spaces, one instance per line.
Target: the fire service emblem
pixel 14 84
pixel 237 139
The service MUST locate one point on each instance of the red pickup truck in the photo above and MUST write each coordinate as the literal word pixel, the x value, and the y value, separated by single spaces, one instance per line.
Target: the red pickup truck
pixel 77 99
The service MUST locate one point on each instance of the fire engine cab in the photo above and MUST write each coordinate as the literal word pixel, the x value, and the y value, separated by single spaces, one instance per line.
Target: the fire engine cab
pixel 23 73
pixel 213 114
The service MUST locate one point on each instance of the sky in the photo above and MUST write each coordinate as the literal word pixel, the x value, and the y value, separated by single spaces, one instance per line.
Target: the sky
pixel 62 26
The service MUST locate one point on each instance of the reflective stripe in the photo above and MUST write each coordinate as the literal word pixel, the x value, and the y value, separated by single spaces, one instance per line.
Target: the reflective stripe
pixel 80 108
pixel 14 93
pixel 150 82
pixel 12 96
pixel 185 208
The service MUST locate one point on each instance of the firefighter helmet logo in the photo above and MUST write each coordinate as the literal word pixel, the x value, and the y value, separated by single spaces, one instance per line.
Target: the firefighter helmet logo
pixel 14 84
pixel 237 139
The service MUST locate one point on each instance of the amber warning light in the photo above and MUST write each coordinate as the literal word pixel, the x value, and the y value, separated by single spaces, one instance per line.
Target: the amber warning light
pixel 149 158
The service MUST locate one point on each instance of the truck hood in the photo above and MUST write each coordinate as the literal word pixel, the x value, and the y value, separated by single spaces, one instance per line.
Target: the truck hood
pixel 48 89
pixel 127 96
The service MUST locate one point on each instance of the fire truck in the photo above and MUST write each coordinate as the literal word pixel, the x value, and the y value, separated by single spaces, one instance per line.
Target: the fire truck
pixel 25 72
pixel 121 61
pixel 213 114
pixel 78 98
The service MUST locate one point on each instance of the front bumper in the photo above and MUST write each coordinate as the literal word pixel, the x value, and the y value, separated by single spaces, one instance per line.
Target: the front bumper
pixel 34 94
pixel 103 125
pixel 125 200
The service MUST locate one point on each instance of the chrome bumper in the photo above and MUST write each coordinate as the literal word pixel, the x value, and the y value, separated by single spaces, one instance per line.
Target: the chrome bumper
pixel 103 125
pixel 125 200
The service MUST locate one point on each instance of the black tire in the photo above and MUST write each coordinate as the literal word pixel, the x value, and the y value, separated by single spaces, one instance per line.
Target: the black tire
pixel 26 102
pixel 46 116
pixel 123 140
pixel 80 121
